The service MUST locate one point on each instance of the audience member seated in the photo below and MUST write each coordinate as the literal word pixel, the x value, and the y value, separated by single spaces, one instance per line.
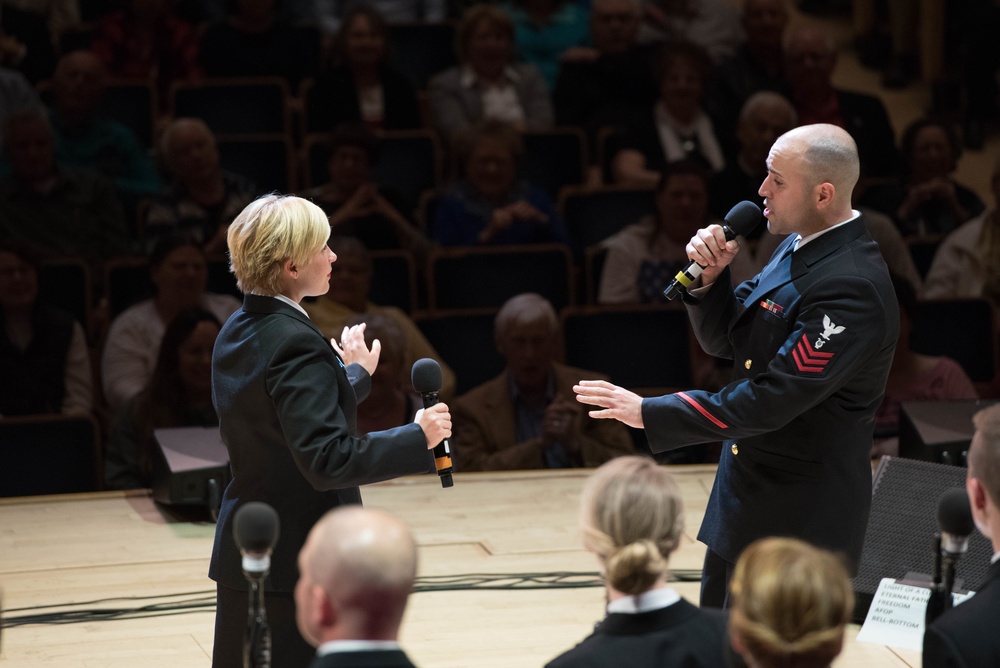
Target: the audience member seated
pixel 65 211
pixel 16 94
pixel 203 199
pixel 676 127
pixel 527 418
pixel 644 257
pixel 487 84
pixel 789 605
pixel 810 55
pixel 392 401
pixel 179 274
pixel 350 285
pixel 544 30
pixel 632 519
pixel 178 394
pixel 332 12
pixel 360 85
pixel 765 116
pixel 965 635
pixel 490 205
pixel 914 377
pixel 356 571
pixel 145 41
pixel 967 263
pixel 926 200
pixel 253 40
pixel 756 66
pixel 85 139
pixel 29 31
pixel 714 25
pixel 356 205
pixel 44 360
pixel 610 82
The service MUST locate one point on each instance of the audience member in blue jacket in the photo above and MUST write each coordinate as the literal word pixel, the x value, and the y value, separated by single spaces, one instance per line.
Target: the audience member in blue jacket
pixel 490 205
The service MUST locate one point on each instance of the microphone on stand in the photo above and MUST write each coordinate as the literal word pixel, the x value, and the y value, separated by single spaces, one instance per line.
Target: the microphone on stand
pixel 427 381
pixel 255 529
pixel 955 519
pixel 741 220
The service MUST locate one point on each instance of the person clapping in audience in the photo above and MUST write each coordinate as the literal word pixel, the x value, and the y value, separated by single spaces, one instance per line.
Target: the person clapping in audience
pixel 490 205
pixel 179 394
pixel 632 519
pixel 789 605
pixel 525 418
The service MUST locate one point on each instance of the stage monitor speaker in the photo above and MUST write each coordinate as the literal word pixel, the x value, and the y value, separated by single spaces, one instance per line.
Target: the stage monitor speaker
pixel 191 467
pixel 900 535
pixel 938 431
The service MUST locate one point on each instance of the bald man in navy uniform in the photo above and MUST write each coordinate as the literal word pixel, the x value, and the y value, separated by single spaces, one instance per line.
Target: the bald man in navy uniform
pixel 812 337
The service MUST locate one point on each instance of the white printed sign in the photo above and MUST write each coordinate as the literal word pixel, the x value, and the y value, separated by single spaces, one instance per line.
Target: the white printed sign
pixel 896 616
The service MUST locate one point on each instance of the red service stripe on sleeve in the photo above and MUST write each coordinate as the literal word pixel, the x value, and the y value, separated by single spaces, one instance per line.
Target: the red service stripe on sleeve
pixel 708 416
pixel 813 352
pixel 807 353
pixel 802 366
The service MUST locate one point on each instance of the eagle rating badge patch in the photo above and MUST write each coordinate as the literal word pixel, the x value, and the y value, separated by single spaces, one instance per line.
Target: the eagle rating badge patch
pixel 808 357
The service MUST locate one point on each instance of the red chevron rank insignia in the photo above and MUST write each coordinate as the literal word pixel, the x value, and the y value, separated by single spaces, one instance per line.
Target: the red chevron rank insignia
pixel 808 359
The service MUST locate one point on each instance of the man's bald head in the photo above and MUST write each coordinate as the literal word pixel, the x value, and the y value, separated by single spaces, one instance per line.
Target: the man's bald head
pixel 829 155
pixel 357 569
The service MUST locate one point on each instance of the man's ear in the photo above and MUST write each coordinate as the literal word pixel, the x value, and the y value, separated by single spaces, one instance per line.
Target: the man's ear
pixel 977 495
pixel 325 610
pixel 824 194
pixel 290 268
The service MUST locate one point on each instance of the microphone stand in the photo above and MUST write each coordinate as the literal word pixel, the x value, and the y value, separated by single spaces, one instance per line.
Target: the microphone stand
pixel 939 600
pixel 257 641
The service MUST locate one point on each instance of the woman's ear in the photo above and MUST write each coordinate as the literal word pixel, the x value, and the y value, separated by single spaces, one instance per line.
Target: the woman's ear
pixel 290 268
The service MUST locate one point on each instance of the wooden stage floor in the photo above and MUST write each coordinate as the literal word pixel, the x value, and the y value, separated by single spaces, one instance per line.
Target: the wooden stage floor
pixel 73 549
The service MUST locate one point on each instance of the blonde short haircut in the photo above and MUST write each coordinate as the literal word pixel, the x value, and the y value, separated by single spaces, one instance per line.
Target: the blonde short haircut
pixel 789 604
pixel 632 518
pixel 269 231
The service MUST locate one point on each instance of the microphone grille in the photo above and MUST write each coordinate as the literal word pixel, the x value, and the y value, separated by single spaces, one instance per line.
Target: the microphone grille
pixel 954 513
pixel 255 527
pixel 743 217
pixel 426 376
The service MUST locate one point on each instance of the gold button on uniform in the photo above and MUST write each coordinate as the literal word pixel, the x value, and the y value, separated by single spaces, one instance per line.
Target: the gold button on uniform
pixel 735 448
pixel 748 364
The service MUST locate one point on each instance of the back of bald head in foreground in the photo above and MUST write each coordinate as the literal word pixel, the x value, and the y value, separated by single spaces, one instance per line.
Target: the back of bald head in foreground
pixel 356 571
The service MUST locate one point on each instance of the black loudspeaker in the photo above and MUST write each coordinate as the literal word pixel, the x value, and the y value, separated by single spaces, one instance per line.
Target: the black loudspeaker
pixel 191 467
pixel 899 541
pixel 938 431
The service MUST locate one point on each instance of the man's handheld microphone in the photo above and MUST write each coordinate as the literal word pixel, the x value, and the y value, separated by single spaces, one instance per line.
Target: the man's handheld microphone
pixel 741 220
pixel 426 378
pixel 955 520
pixel 255 529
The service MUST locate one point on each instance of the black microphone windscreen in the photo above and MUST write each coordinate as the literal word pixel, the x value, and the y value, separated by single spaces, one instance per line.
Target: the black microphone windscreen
pixel 255 527
pixel 955 514
pixel 426 376
pixel 743 217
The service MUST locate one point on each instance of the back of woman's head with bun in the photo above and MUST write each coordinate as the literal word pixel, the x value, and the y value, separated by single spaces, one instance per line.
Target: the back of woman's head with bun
pixel 632 519
pixel 789 604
